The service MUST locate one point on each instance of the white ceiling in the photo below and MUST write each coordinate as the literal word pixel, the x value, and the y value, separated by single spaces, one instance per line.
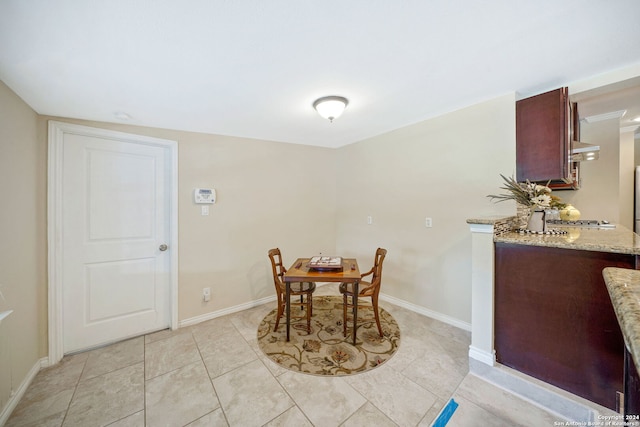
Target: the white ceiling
pixel 618 100
pixel 253 68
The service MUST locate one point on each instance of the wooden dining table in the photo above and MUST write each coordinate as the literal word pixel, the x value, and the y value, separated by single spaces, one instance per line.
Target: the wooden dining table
pixel 301 272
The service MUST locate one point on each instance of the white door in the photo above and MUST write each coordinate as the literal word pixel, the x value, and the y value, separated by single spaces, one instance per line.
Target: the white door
pixel 115 238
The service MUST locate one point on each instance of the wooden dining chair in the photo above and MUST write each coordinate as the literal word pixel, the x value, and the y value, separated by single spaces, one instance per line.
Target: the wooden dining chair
pixel 302 289
pixel 365 289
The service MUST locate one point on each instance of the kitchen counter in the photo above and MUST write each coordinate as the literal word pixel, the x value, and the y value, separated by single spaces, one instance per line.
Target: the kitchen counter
pixel 624 289
pixel 623 285
pixel 576 322
pixel 615 240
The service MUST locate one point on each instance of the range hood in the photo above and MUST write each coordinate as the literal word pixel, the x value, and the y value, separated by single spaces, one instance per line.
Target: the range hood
pixel 581 151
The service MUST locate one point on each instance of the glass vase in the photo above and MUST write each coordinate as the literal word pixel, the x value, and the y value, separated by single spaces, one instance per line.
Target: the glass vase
pixel 537 221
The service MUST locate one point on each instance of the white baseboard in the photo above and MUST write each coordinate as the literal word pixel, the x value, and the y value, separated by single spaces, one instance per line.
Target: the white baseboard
pixel 426 312
pixel 17 394
pixel 208 316
pixel 415 308
pixel 482 356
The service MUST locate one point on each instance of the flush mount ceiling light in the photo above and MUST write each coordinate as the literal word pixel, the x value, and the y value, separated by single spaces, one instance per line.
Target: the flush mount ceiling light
pixel 121 115
pixel 330 107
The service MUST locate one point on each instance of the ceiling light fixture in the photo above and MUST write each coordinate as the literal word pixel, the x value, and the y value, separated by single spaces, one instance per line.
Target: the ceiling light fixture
pixel 330 107
pixel 121 115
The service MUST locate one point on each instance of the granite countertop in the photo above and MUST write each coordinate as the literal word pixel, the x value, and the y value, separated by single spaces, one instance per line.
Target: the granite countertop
pixel 617 240
pixel 489 220
pixel 624 289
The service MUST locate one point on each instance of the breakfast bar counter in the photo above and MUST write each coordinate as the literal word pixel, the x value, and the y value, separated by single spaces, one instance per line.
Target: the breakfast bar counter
pixel 555 282
pixel 616 240
pixel 624 289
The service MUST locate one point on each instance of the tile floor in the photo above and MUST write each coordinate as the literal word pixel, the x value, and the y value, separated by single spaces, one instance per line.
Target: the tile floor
pixel 214 374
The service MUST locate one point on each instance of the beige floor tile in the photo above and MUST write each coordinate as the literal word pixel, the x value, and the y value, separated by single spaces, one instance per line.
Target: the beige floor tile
pixel 435 356
pixel 114 357
pixel 246 321
pixel 432 413
pixel 292 417
pixel 409 350
pixel 135 420
pixel 55 420
pixel 469 414
pixel 107 398
pixel 180 396
pixel 410 322
pixel 63 376
pixel 275 369
pixel 213 329
pixel 503 404
pixel 169 354
pixel 368 415
pixel 400 399
pixel 326 289
pixel 166 333
pixel 458 352
pixel 226 353
pixel 48 410
pixel 447 331
pixel 437 372
pixel 325 401
pixel 250 395
pixel 248 389
pixel 212 419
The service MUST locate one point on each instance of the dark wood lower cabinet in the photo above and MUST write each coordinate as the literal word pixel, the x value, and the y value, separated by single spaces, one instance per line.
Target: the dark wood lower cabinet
pixel 631 386
pixel 554 319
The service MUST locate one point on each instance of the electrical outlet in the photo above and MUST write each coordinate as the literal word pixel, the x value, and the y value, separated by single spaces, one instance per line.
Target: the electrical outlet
pixel 206 294
pixel 428 223
pixel 369 220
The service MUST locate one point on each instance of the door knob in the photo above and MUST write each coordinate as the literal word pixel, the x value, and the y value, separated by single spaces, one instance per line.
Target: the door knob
pixel 163 247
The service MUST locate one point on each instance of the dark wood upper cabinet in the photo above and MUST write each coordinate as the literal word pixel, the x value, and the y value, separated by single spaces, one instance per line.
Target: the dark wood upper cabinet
pixel 543 139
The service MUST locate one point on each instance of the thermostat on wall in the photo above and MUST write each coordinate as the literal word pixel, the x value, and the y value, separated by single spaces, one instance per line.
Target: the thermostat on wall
pixel 204 195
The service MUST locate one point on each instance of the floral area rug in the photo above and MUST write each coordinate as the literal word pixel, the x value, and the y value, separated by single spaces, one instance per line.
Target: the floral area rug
pixel 325 351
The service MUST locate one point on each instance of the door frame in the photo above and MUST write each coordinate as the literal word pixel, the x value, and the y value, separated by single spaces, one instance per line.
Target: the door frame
pixel 55 231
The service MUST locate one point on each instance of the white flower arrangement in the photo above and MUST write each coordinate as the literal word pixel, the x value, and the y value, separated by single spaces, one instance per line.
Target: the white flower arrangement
pixel 526 193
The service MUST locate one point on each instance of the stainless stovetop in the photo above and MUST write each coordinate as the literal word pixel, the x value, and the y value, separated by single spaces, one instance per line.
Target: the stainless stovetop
pixel 584 223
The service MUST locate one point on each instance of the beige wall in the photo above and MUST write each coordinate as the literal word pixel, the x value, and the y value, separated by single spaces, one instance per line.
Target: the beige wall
pixel 602 194
pixel 308 200
pixel 626 179
pixel 441 168
pixel 22 237
pixel 269 194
